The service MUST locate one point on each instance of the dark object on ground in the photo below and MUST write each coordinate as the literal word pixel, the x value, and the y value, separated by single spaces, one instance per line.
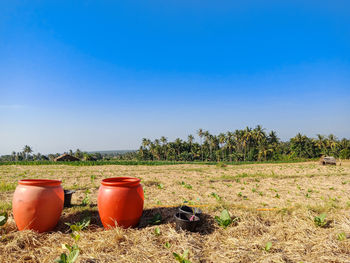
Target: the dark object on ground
pixel 68 197
pixel 66 158
pixel 328 160
pixel 186 222
pixel 190 210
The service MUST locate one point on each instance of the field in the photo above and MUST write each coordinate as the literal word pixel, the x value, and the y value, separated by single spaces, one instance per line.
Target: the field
pixel 274 203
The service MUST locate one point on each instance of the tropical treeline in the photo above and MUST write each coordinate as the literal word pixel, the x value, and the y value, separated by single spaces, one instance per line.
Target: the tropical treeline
pixel 249 144
pixel 27 155
pixel 242 145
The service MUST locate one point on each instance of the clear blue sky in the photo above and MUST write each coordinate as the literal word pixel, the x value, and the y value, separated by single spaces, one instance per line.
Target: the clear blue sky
pixel 101 75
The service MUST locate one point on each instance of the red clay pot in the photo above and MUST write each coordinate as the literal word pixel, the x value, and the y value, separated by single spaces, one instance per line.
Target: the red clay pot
pixel 37 204
pixel 120 201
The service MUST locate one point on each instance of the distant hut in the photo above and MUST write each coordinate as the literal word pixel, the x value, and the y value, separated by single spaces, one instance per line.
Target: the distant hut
pixel 66 158
pixel 328 160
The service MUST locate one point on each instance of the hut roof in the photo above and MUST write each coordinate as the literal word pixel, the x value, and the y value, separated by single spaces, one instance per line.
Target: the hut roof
pixel 66 157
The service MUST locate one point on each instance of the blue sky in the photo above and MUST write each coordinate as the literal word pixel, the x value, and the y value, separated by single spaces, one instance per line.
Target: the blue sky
pixel 101 75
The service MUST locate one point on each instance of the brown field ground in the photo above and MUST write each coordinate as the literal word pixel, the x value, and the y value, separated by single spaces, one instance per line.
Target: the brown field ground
pixel 275 203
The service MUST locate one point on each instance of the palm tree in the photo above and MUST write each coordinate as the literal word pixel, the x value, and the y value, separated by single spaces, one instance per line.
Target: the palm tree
pixel 246 140
pixel 201 134
pixel 190 140
pixel 230 143
pixel 27 150
pixel 164 141
pixel 222 141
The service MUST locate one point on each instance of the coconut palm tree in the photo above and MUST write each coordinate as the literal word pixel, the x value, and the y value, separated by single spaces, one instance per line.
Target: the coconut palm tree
pixel 27 150
pixel 201 134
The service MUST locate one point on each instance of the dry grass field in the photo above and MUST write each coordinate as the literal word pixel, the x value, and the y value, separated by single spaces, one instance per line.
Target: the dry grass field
pixel 275 203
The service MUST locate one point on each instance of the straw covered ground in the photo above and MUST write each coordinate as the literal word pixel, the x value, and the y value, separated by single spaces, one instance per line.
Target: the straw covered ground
pixel 275 203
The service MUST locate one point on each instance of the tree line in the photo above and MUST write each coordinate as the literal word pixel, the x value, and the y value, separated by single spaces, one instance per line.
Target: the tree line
pixel 249 144
pixel 242 145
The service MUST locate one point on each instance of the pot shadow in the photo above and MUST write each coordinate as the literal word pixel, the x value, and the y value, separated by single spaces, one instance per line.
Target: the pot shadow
pixel 79 216
pixel 206 225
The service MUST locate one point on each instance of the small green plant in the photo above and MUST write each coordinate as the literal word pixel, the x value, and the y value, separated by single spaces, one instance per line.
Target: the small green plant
pixel 167 245
pixel 240 194
pixel 217 197
pixel 86 200
pixel 156 219
pixel 157 231
pixel 277 196
pixel 160 186
pixel 78 227
pixel 307 195
pixel 268 246
pixel 320 220
pixel 253 190
pixel 188 186
pixel 182 258
pixel 92 177
pixel 225 219
pixel 73 253
pixel 341 236
pixel 3 218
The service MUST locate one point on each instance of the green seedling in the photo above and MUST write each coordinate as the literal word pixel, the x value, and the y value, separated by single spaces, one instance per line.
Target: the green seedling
pixel 217 197
pixel 341 236
pixel 188 186
pixel 182 258
pixel 157 231
pixel 79 225
pixel 3 218
pixel 277 196
pixel 253 190
pixel 92 177
pixel 268 246
pixel 71 256
pixel 225 219
pixel 160 186
pixel 167 245
pixel 320 220
pixel 156 220
pixel 86 199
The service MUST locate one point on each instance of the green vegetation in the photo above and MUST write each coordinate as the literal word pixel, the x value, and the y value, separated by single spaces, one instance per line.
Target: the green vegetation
pixel 182 258
pixel 225 219
pixel 3 218
pixel 4 187
pixel 268 246
pixel 247 145
pixel 320 220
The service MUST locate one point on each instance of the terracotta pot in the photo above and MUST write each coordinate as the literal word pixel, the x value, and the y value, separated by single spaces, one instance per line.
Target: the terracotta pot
pixel 37 204
pixel 120 201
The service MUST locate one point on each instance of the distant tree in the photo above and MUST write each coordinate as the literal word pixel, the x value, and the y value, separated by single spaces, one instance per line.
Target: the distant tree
pixel 27 150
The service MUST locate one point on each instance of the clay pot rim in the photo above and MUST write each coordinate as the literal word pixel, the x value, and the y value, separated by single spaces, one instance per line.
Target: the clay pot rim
pixel 121 181
pixel 39 182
